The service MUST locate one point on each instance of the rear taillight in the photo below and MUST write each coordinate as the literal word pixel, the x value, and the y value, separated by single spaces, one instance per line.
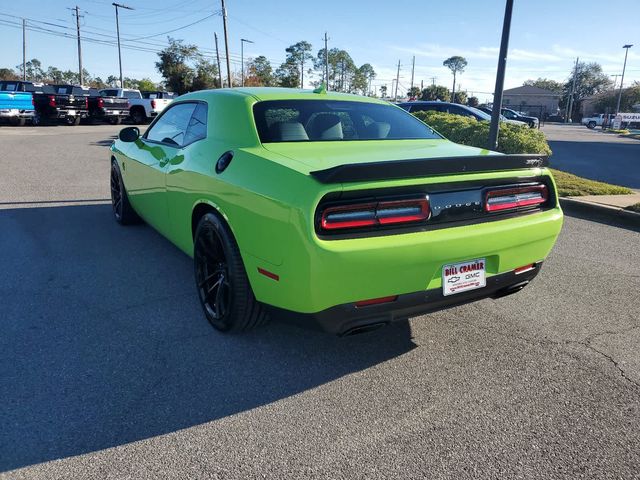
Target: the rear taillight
pixel 515 197
pixel 52 100
pixel 374 214
pixel 100 102
pixel 153 104
pixel 86 103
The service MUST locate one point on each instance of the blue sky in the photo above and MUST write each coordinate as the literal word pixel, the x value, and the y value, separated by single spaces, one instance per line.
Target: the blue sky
pixel 546 35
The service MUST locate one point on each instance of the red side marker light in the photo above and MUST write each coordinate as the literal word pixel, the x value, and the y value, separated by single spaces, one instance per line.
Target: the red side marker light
pixel 525 268
pixel 376 301
pixel 269 274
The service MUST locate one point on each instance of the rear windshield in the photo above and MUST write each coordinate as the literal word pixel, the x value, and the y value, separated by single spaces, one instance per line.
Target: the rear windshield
pixel 334 120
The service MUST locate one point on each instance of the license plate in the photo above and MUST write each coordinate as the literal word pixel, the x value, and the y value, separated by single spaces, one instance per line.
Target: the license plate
pixel 464 276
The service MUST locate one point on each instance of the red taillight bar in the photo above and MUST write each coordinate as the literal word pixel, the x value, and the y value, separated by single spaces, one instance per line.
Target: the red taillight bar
pixel 52 100
pixel 510 198
pixel 153 104
pixel 375 213
pixel 100 102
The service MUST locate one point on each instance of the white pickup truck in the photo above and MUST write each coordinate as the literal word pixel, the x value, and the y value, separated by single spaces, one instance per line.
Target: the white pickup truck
pixel 141 107
pixel 598 120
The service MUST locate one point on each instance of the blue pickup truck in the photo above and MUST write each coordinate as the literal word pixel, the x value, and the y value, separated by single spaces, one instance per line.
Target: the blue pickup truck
pixel 16 101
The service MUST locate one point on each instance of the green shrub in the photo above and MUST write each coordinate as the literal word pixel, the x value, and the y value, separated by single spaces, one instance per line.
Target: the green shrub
pixel 469 131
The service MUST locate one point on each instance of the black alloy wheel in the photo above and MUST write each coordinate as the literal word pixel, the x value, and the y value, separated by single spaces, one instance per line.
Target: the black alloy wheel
pixel 116 193
pixel 212 277
pixel 123 212
pixel 221 280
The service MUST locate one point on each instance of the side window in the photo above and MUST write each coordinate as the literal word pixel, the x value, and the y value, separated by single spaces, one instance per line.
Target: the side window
pixel 131 94
pixel 171 127
pixel 460 111
pixel 197 129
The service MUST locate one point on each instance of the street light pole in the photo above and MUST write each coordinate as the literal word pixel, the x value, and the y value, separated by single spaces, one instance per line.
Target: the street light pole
pixel 226 43
pixel 118 32
pixel 626 47
pixel 242 42
pixel 502 66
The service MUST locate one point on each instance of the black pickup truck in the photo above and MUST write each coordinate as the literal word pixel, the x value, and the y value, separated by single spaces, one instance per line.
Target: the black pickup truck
pixel 103 106
pixel 72 103
pixel 65 103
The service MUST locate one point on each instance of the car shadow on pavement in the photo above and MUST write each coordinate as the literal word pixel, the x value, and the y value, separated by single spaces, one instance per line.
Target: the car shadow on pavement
pixel 103 341
pixel 106 142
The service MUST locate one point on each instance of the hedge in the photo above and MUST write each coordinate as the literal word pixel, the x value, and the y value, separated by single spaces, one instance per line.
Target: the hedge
pixel 469 131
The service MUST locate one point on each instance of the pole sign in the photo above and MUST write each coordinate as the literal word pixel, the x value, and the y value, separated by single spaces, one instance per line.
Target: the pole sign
pixel 625 118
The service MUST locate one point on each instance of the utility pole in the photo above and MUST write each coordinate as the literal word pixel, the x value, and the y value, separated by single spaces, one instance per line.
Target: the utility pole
pixel 433 81
pixel 24 50
pixel 615 81
pixel 626 47
pixel 77 10
pixel 502 66
pixel 421 85
pixel 242 42
pixel 395 97
pixel 118 32
pixel 413 67
pixel 573 89
pixel 326 62
pixel 226 43
pixel 215 35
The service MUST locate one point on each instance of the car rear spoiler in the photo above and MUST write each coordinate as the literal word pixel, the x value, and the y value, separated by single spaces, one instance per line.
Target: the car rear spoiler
pixel 425 167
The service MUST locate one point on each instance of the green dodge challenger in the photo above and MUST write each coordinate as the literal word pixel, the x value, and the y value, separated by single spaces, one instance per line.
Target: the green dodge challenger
pixel 331 209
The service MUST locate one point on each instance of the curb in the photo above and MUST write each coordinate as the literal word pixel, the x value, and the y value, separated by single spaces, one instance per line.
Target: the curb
pixel 608 212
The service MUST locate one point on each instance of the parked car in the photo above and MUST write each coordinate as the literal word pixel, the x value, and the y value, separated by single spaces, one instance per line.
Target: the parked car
pixel 65 103
pixel 16 101
pixel 453 108
pixel 598 120
pixel 140 109
pixel 329 208
pixel 513 115
pixel 488 111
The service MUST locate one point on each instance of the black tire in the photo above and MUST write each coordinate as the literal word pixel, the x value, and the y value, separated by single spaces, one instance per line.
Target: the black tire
pixel 17 121
pixel 36 120
pixel 72 121
pixel 123 212
pixel 138 116
pixel 591 125
pixel 221 280
pixel 115 120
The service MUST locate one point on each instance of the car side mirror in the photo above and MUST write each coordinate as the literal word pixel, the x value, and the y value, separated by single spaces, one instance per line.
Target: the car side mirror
pixel 129 134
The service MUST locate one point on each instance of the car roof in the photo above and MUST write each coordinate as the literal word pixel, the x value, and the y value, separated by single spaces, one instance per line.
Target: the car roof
pixel 430 102
pixel 278 93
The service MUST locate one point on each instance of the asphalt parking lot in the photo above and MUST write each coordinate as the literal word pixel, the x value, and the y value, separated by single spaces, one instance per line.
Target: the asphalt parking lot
pixel 594 154
pixel 108 369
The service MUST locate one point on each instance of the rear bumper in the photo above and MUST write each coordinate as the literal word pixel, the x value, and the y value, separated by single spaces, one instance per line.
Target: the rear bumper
pixel 348 318
pixel 103 113
pixel 15 112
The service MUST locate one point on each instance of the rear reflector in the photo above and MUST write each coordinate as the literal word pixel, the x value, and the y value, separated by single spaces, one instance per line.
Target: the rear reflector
pixel 375 213
pixel 510 198
pixel 269 274
pixel 525 268
pixel 376 301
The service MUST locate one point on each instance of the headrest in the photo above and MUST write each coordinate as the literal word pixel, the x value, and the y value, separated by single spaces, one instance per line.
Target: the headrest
pixel 378 130
pixel 326 126
pixel 288 132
